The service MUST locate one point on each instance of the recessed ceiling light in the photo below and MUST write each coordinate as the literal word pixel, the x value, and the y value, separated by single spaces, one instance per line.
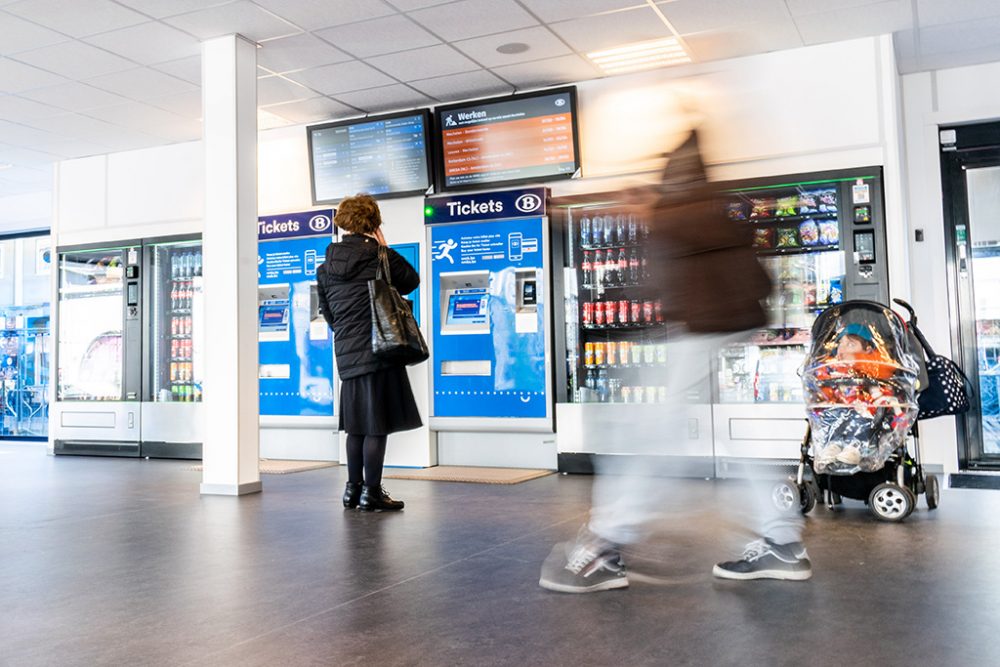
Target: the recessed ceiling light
pixel 512 47
pixel 640 55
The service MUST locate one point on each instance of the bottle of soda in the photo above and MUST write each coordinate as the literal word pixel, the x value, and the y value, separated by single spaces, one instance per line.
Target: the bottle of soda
pixel 632 229
pixel 588 268
pixel 598 268
pixel 609 230
pixel 197 263
pixel 614 278
pixel 622 266
pixel 602 386
pixel 591 381
pixel 620 228
pixel 633 267
pixel 584 231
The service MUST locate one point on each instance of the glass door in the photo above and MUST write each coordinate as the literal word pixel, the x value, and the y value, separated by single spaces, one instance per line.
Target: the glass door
pixel 177 328
pixel 91 316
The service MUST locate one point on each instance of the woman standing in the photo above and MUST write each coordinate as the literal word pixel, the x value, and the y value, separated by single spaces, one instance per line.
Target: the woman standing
pixel 375 397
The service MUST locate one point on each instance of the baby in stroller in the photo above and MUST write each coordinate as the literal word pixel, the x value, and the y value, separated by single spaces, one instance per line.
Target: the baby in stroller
pixel 860 399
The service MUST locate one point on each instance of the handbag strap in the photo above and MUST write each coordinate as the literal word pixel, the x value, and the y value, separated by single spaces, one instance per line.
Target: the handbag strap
pixel 928 350
pixel 382 272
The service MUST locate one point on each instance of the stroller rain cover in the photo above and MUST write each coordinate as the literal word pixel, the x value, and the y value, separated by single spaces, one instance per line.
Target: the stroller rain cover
pixel 860 381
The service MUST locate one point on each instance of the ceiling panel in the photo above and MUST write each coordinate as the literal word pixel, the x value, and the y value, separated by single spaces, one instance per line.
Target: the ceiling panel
pixel 958 37
pixel 342 77
pixel 408 5
pixel 21 134
pixel 799 7
pixel 241 17
pixel 298 52
pixel 78 18
pixel 18 155
pixel 560 10
pixel 16 77
pixel 746 40
pixel 315 14
pixel 386 98
pixel 75 60
pixel 161 8
pixel 85 128
pixel 74 96
pixel 32 176
pixel 424 63
pixel 609 30
pixel 884 17
pixel 69 148
pixel 379 36
pixel 148 43
pixel 17 109
pixel 20 35
pixel 276 89
pixel 699 15
pixel 540 41
pixel 314 110
pixel 188 69
pixel 136 116
pixel 936 12
pixel 551 71
pixel 140 84
pixel 462 86
pixel 472 18
pixel 183 104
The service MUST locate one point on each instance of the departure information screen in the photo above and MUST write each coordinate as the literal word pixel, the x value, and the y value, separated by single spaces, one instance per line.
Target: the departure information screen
pixel 380 156
pixel 517 138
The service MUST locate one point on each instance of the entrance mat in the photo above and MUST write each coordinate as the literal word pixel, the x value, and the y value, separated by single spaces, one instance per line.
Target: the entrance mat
pixel 974 481
pixel 277 467
pixel 475 475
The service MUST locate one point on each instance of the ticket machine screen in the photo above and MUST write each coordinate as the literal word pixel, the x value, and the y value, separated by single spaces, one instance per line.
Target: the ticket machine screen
pixel 467 307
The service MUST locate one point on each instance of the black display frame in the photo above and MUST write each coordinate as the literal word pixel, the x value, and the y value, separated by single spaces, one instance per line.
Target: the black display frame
pixel 427 117
pixel 438 148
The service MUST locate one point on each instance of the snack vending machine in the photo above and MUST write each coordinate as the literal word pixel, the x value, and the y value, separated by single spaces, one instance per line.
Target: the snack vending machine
pixel 128 349
pixel 822 239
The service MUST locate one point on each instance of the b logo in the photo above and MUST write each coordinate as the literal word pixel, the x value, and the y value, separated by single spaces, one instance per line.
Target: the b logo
pixel 319 223
pixel 528 202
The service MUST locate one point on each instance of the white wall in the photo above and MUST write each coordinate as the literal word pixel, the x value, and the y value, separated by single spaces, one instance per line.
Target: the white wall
pixel 930 99
pixel 23 213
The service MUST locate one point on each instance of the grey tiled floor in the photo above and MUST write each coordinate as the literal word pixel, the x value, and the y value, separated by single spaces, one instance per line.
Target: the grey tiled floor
pixel 121 562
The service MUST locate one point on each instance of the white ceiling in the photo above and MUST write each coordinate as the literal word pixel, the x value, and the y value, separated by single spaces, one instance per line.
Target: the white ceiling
pixel 85 77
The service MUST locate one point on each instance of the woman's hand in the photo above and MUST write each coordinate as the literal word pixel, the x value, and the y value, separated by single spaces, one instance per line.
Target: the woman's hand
pixel 379 237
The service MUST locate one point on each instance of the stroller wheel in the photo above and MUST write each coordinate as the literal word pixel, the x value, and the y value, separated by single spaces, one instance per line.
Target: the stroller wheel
pixel 932 491
pixel 890 502
pixel 789 497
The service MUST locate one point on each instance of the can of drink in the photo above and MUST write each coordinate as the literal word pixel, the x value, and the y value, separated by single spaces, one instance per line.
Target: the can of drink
pixel 658 309
pixel 636 350
pixel 661 394
pixel 611 352
pixel 651 394
pixel 588 354
pixel 636 311
pixel 626 394
pixel 599 313
pixel 188 325
pixel 609 312
pixel 637 393
pixel 173 371
pixel 647 311
pixel 623 352
pixel 623 312
pixel 661 353
pixel 173 349
pixel 174 325
pixel 648 353
pixel 588 313
pixel 599 354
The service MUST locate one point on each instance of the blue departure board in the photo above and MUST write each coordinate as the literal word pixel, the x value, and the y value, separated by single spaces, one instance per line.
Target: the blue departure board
pixel 383 156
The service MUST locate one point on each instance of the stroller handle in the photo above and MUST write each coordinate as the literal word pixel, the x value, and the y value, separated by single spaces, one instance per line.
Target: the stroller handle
pixel 909 309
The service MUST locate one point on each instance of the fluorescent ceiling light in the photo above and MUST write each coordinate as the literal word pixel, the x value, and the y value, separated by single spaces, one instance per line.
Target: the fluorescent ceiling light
pixel 641 55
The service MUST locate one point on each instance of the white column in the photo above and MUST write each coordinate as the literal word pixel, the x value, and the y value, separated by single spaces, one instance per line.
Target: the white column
pixel 229 112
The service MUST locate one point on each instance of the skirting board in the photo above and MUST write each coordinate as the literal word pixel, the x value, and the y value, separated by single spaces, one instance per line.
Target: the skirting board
pixel 231 489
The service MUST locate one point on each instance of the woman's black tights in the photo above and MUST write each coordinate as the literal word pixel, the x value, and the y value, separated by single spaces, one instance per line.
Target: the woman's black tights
pixel 365 455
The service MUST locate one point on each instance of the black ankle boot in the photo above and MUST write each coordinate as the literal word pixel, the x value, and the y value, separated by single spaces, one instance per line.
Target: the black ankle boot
pixel 352 494
pixel 375 499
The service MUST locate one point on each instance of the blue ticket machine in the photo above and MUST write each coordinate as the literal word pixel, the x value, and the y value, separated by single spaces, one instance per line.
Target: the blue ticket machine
pixel 490 311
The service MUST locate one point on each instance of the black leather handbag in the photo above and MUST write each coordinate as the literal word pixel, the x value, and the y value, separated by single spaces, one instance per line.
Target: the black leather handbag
pixel 948 389
pixel 396 337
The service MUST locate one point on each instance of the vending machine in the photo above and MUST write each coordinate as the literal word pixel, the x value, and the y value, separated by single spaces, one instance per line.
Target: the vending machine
pixel 821 236
pixel 128 352
pixel 491 326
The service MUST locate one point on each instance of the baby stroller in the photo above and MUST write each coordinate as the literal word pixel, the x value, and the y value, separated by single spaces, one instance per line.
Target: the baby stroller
pixel 861 377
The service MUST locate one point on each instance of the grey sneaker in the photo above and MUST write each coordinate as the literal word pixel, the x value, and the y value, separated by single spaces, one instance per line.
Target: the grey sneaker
pixel 586 567
pixel 763 559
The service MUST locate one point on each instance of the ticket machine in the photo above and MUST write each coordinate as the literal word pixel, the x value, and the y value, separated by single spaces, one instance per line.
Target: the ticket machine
pixel 491 362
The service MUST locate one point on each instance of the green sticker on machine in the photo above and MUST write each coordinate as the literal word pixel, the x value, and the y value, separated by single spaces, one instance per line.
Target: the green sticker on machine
pixel 960 236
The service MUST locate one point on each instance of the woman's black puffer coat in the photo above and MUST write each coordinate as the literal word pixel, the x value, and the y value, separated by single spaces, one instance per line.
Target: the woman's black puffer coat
pixel 345 304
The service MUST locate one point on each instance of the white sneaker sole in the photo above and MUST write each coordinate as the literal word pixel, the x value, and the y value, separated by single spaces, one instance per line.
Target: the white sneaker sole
pixel 608 585
pixel 784 575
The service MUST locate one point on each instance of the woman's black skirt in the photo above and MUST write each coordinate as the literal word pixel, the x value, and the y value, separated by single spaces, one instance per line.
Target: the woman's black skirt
pixel 378 403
